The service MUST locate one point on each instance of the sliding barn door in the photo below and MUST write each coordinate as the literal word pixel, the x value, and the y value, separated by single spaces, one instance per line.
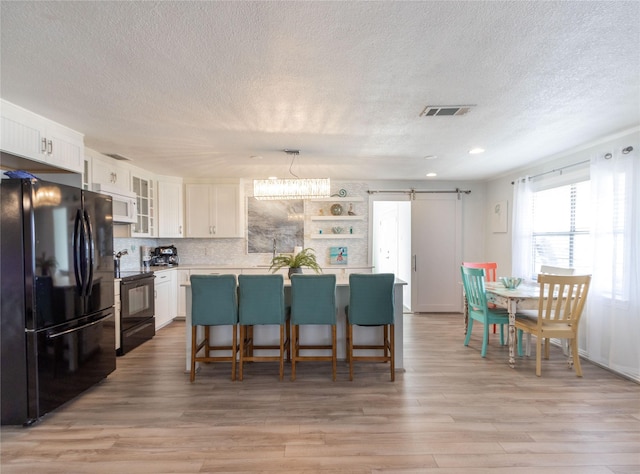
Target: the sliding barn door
pixel 436 242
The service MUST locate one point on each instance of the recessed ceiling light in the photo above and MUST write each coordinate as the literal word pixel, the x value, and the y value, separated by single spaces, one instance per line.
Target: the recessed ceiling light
pixel 430 157
pixel 475 151
pixel 255 157
pixel 431 175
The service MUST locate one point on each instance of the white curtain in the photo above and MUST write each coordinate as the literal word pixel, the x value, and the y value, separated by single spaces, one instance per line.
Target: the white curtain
pixel 522 228
pixel 611 324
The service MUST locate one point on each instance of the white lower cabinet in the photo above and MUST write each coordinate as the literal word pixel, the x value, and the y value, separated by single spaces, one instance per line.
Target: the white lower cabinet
pixel 165 297
pixel 183 277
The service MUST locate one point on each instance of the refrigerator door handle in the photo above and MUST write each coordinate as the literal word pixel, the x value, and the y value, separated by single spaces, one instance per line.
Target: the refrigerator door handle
pixel 75 329
pixel 91 250
pixel 76 251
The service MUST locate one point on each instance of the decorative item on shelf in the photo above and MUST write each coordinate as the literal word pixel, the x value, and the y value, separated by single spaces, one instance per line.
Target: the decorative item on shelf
pixel 351 230
pixel 298 188
pixel 350 212
pixel 342 193
pixel 295 261
pixel 337 230
pixel 336 210
pixel 321 212
pixel 338 255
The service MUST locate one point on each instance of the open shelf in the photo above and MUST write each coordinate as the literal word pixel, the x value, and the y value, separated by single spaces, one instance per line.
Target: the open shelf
pixel 337 218
pixel 340 199
pixel 337 236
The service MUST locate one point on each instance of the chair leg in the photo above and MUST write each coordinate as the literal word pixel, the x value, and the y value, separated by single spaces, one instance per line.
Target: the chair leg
pixel 243 348
pixel 547 342
pixel 392 351
pixel 334 355
pixel 501 333
pixel 576 356
pixel 538 356
pixel 350 349
pixel 469 328
pixel 485 339
pixel 385 338
pixel 194 344
pixel 234 351
pixel 282 350
pixel 519 342
pixel 294 350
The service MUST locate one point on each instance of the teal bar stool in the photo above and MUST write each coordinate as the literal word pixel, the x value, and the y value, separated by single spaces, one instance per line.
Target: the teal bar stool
pixel 473 281
pixel 261 302
pixel 371 303
pixel 214 302
pixel 313 302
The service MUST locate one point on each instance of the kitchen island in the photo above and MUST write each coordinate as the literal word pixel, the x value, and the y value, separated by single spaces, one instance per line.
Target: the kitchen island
pixel 317 334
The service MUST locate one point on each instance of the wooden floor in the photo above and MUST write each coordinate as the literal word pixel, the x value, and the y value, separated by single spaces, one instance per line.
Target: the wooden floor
pixel 451 412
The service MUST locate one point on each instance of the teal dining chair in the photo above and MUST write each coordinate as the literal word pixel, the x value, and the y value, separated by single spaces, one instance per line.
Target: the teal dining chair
pixel 473 281
pixel 214 302
pixel 371 303
pixel 261 302
pixel 313 301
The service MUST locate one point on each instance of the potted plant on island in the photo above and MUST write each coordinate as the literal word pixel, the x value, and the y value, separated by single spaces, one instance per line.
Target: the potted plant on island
pixel 295 262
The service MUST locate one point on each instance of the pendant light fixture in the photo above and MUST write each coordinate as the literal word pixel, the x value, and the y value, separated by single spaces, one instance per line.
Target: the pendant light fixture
pixel 297 188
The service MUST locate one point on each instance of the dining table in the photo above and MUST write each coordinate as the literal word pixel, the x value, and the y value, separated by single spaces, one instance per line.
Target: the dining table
pixel 525 297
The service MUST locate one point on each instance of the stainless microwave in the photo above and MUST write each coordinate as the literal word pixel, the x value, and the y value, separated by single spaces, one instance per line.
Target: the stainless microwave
pixel 125 207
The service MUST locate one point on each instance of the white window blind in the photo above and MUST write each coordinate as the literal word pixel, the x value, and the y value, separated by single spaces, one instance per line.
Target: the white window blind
pixel 561 228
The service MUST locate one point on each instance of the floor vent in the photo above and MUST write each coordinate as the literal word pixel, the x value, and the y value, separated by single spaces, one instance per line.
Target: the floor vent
pixel 445 110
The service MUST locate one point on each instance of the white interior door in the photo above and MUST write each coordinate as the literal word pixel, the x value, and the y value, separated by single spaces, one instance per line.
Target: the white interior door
pixel 436 237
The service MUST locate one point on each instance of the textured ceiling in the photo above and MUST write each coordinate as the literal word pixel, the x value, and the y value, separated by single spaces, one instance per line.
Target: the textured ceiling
pixel 196 89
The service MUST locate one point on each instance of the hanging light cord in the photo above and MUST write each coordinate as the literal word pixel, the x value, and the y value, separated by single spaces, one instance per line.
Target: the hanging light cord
pixel 293 154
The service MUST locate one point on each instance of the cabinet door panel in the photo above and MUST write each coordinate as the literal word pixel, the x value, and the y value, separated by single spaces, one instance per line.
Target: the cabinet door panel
pixel 227 218
pixel 169 209
pixel 198 210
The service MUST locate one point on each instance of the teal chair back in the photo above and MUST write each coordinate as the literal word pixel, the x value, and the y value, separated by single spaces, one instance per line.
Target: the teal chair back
pixel 214 300
pixel 371 299
pixel 474 289
pixel 313 299
pixel 261 299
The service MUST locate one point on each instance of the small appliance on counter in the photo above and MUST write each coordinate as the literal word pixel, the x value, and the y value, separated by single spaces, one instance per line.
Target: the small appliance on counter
pixel 165 256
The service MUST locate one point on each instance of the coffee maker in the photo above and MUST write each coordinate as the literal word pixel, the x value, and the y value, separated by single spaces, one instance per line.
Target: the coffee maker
pixel 165 256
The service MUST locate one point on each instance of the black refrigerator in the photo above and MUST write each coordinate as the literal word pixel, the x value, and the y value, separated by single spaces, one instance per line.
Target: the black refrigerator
pixel 57 322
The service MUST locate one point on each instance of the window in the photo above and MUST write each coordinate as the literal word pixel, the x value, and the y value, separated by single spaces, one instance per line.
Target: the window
pixel 561 227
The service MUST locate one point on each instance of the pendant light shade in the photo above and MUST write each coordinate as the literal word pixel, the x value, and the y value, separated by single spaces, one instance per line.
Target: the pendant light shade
pixel 299 188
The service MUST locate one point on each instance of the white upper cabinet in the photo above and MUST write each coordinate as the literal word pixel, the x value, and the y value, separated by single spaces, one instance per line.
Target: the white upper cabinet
pixel 143 185
pixel 213 210
pixel 106 170
pixel 170 203
pixel 32 136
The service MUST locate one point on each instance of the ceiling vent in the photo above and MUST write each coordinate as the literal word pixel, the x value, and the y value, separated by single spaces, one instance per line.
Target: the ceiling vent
pixel 445 110
pixel 115 156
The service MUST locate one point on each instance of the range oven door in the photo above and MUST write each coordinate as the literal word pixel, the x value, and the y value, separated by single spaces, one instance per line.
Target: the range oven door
pixel 137 310
pixel 137 301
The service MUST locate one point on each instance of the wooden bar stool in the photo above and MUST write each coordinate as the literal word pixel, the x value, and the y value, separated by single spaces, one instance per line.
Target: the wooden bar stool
pixel 214 303
pixel 371 302
pixel 313 302
pixel 261 302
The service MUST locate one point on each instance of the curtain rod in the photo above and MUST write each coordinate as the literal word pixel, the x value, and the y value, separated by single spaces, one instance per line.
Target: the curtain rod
pixel 413 192
pixel 555 170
